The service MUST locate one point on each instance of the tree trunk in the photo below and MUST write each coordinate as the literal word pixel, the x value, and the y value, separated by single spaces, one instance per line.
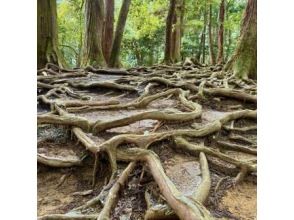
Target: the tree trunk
pixel 168 32
pixel 78 63
pixel 47 37
pixel 211 52
pixel 220 42
pixel 177 31
pixel 92 50
pixel 115 51
pixel 243 63
pixel 228 34
pixel 203 37
pixel 108 29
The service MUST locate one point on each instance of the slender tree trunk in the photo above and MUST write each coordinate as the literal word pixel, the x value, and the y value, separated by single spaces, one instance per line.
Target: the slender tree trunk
pixel 92 50
pixel 78 63
pixel 243 63
pixel 138 54
pixel 168 32
pixel 115 51
pixel 220 42
pixel 178 30
pixel 108 29
pixel 211 52
pixel 228 34
pixel 229 38
pixel 203 37
pixel 47 37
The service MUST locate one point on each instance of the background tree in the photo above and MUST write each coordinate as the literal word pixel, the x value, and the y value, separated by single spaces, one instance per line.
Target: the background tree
pixel 47 36
pixel 115 50
pixel 220 54
pixel 177 30
pixel 92 48
pixel 168 32
pixel 201 51
pixel 143 41
pixel 71 26
pixel 108 29
pixel 243 63
pixel 211 51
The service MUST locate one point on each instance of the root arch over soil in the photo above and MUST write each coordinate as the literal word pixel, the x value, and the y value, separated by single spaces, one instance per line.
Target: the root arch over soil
pixel 75 99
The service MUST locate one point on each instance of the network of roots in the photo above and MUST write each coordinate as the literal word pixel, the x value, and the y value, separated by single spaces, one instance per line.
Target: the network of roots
pixel 159 142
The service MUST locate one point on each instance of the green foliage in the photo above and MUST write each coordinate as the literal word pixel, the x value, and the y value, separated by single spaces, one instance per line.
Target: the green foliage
pixel 144 35
pixel 70 17
pixel 143 41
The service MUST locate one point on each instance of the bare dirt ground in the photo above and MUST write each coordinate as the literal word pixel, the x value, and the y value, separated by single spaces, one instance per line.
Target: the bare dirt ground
pixel 69 179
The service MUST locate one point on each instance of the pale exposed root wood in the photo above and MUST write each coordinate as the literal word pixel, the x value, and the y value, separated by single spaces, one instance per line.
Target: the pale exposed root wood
pixel 107 71
pixel 58 162
pixel 69 120
pixel 68 217
pixel 201 89
pixel 138 103
pixel 46 86
pixel 243 129
pixel 237 147
pixel 196 149
pixel 45 72
pixel 203 189
pixel 98 126
pixel 60 76
pixel 114 192
pixel 241 175
pixel 169 83
pixel 230 93
pixel 185 208
pixel 181 82
pixel 89 144
pixel 102 84
pixel 83 104
pixel 200 194
pixel 237 137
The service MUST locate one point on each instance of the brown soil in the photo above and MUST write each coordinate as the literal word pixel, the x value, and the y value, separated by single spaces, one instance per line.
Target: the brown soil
pixel 241 201
pixel 57 186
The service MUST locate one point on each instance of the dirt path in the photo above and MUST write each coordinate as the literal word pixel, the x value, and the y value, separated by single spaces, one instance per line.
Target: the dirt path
pixel 159 118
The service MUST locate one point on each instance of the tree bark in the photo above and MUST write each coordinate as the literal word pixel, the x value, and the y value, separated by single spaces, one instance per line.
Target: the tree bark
pixel 78 64
pixel 47 37
pixel 108 29
pixel 220 42
pixel 168 32
pixel 177 31
pixel 243 63
pixel 92 49
pixel 203 37
pixel 211 52
pixel 115 51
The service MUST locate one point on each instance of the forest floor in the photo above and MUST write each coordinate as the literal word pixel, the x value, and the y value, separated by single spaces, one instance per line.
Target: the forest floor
pixel 122 144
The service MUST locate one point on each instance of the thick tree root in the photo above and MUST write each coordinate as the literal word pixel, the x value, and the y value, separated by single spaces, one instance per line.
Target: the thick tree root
pixel 68 217
pixel 195 149
pixel 237 147
pixel 186 83
pixel 58 162
pixel 113 193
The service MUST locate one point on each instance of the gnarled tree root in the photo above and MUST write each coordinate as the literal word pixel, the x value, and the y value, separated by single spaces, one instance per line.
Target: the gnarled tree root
pixel 68 217
pixel 58 162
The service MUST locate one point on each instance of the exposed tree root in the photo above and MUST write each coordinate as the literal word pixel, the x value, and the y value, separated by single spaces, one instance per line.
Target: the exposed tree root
pixel 68 217
pixel 58 162
pixel 185 83
pixel 237 147
pixel 195 149
pixel 113 193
